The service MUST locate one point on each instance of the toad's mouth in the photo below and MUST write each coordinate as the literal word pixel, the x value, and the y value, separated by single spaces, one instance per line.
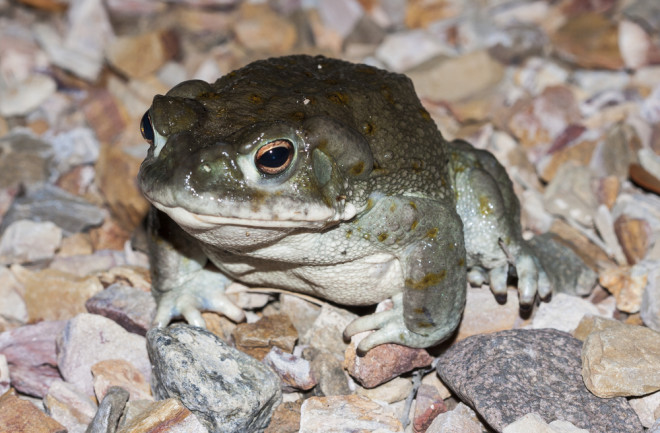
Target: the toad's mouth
pixel 201 222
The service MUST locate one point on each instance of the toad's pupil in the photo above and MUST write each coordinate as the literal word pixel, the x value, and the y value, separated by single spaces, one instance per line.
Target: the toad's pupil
pixel 275 157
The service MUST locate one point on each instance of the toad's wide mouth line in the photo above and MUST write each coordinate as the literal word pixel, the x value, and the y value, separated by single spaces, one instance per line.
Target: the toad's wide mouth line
pixel 197 221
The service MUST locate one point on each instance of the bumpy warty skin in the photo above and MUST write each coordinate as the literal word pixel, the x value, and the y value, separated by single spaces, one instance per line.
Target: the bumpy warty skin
pixel 358 198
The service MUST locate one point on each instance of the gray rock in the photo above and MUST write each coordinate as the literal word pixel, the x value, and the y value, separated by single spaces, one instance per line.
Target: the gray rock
pixel 508 374
pixel 110 410
pixel 329 373
pixel 650 309
pixel 132 308
pixel 24 161
pixel 50 203
pixel 567 271
pixel 228 390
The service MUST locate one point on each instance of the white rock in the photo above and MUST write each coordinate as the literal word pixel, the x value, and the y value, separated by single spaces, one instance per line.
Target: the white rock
pixel 650 308
pixel 634 44
pixel 647 408
pixel 5 382
pixel 70 407
pixel 392 391
pixel 27 241
pixel 650 108
pixel 74 147
pixel 340 15
pixel 460 420
pixel 12 305
pixel 533 422
pixel 404 50
pixel 27 95
pixel 564 312
pixel 537 74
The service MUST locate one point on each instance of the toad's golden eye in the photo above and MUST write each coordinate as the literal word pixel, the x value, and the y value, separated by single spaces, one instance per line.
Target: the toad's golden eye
pixel 274 157
pixel 147 129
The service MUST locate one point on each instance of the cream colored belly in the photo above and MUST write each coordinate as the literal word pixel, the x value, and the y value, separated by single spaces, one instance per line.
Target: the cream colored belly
pixel 365 281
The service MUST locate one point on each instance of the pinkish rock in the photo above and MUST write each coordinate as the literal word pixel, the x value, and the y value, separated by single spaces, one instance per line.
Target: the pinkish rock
pixel 70 407
pixel 118 372
pixel 19 415
pixel 26 241
pixel 132 308
pixel 90 338
pixel 256 339
pixel 30 353
pixel 383 362
pixel 429 404
pixel 295 372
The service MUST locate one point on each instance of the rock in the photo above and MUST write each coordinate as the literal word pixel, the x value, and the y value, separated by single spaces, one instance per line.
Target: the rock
pixel 517 43
pixel 326 332
pixel 165 415
pixel 104 115
pixel 564 150
pixel 592 255
pixel 246 299
pixel 345 414
pixel 109 411
pixel 255 30
pixel 131 308
pixel 118 372
pixel 534 422
pixel 568 273
pixel 17 415
pixel 55 295
pixel 286 418
pixel 627 285
pixel 392 391
pixel 88 339
pixel 109 236
pixel 301 312
pixel 256 339
pixel 569 194
pixel 25 241
pixel 75 244
pixel 636 45
pixel 604 223
pixel 227 390
pixel 99 261
pixel 589 40
pixel 622 361
pixel 295 372
pixel 382 363
pixel 456 79
pixel 25 160
pixel 49 203
pixel 26 96
pixel 328 371
pixel 340 16
pixel 402 51
pixel 74 147
pixel 646 408
pixel 461 419
pixel 650 308
pixel 590 324
pixel 634 236
pixel 564 313
pixel 131 275
pixel 5 382
pixel 30 353
pixel 68 406
pixel 483 314
pixel 428 405
pixel 141 55
pixel 13 305
pixel 537 74
pixel 509 359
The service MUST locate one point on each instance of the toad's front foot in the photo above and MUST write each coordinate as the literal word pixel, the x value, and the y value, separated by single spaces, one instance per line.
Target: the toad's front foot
pixel 389 327
pixel 188 302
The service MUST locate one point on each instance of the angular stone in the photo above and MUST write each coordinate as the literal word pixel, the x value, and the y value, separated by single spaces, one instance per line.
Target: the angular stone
pixel 622 361
pixel 579 153
pixel 496 380
pixel 397 51
pixel 627 285
pixel 392 391
pixel 533 422
pixel 569 194
pixel 75 245
pixel 131 275
pixel 382 363
pixel 564 313
pixel 228 390
pixel 286 418
pixel 302 313
pixel 31 355
pixel 109 236
pixel 121 373
pixel 68 406
pixel 165 415
pixel 12 305
pixel 256 339
pixel 19 99
pixel 328 371
pixel 88 339
pixel 647 408
pixel 55 295
pixel 327 330
pixel 260 29
pixel 142 55
pixel 461 419
pixel 25 241
pixel 650 308
pixel 346 414
pixel 295 372
pixel 74 147
pixel 131 308
pixel 590 324
pixel 109 412
pixel 17 415
pixel 483 314
pixel 25 160
pixel 428 405
pixel 634 235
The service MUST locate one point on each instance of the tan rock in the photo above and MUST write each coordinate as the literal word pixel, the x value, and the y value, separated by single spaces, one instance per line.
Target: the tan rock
pixel 590 324
pixel 68 406
pixel 55 295
pixel 421 13
pixel 165 415
pixel 142 55
pixel 579 153
pixel 219 325
pixel 627 284
pixel 76 244
pixel 634 235
pixel 395 390
pixel 256 339
pixel 483 314
pixel 460 419
pixel 533 422
pixel 262 30
pixel 286 418
pixel 133 276
pixel 17 415
pixel 105 115
pixel 346 413
pixel 607 190
pixel 592 255
pixel 119 372
pixel 109 236
pixel 622 361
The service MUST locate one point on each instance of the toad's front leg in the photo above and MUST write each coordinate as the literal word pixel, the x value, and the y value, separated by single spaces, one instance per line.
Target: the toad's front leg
pixel 433 295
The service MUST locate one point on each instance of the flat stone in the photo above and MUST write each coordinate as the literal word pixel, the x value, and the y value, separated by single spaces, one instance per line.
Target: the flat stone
pixel 382 363
pixel 286 418
pixel 25 160
pixel 13 305
pixel 483 314
pixel 141 55
pixel 70 407
pixel 402 51
pixel 121 373
pixel 329 373
pixel 21 98
pixel 564 313
pixel 627 284
pixel 109 412
pixel 75 244
pixel 295 372
pixel 533 422
pixel 88 339
pixel 496 381
pixel 647 408
pixel 131 308
pixel 31 355
pixel 590 324
pixel 55 295
pixel 461 419
pixel 428 405
pixel 327 330
pixel 346 414
pixel 165 415
pixel 228 390
pixel 633 235
pixel 302 313
pixel 392 391
pixel 622 361
pixel 18 415
pixel 256 339
pixel 255 30
pixel 569 194
pixel 650 307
